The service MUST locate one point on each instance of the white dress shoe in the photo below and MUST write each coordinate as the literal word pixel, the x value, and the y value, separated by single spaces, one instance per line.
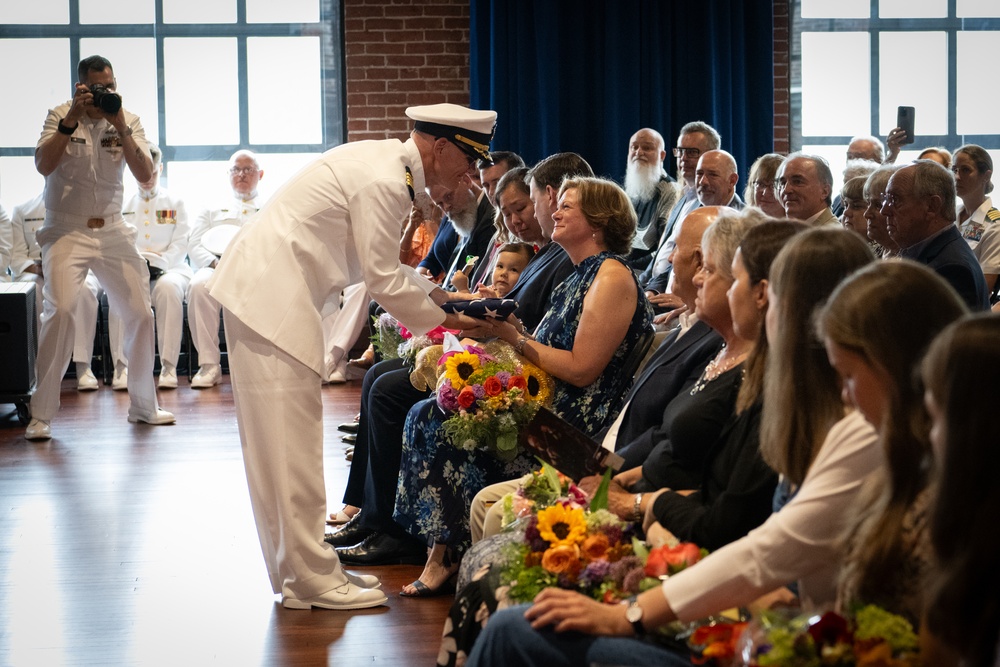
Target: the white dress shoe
pixel 363 580
pixel 87 381
pixel 168 378
pixel 346 597
pixel 161 417
pixel 337 377
pixel 120 380
pixel 206 377
pixel 38 430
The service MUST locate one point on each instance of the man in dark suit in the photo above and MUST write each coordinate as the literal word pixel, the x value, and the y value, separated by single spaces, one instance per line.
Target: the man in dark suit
pixel 716 176
pixel 920 215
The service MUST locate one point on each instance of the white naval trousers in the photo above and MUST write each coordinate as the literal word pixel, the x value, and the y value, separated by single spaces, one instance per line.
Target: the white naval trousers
pixel 343 327
pixel 168 304
pixel 69 249
pixel 203 318
pixel 84 318
pixel 279 410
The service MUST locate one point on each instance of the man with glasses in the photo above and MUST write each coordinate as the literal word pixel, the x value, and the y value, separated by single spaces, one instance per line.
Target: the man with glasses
pixel 86 144
pixel 919 208
pixel 694 139
pixel 203 311
pixel 336 223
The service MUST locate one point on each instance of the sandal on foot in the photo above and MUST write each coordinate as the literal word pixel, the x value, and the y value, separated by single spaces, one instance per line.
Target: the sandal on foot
pixel 425 591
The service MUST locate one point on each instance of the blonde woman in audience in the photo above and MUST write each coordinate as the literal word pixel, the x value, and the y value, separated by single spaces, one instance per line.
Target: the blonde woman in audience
pixel 760 190
pixel 823 450
pixel 876 328
pixel 960 373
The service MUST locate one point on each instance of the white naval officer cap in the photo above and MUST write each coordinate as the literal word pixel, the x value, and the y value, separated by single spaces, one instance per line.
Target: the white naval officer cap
pixel 469 129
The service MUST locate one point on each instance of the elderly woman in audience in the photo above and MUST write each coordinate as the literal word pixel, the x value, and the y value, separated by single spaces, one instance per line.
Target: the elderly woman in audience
pixel 874 193
pixel 977 217
pixel 852 195
pixel 822 450
pixel 876 328
pixel 963 612
pixel 598 316
pixel 693 420
pixel 760 191
pixel 737 486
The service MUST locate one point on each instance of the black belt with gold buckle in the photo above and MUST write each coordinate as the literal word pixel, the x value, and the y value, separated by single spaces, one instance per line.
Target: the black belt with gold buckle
pixel 95 223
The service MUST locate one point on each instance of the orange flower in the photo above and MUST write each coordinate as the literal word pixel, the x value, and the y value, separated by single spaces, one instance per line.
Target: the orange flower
pixel 492 386
pixel 563 558
pixel 595 546
pixel 466 397
pixel 517 382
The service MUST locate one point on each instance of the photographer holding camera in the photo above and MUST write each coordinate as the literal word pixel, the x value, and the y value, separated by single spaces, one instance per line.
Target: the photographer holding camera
pixel 82 153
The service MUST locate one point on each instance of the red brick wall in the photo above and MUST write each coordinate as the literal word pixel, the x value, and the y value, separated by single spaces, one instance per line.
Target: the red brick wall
pixel 782 85
pixel 400 54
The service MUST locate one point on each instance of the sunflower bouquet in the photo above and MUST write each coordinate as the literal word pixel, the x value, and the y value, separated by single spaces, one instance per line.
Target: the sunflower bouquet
pixel 568 543
pixel 490 394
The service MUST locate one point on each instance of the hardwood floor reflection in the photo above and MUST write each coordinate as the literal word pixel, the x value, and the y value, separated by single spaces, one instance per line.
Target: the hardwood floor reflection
pixel 126 544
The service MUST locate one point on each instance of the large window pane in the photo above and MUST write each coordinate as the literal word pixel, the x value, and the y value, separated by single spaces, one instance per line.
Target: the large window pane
pixel 831 64
pixel 199 11
pixel 836 9
pixel 202 101
pixel 976 108
pixel 913 72
pixel 134 62
pixel 284 77
pixel 286 11
pixel 49 12
pixel 909 9
pixel 206 183
pixel 50 84
pixel 116 11
pixel 977 8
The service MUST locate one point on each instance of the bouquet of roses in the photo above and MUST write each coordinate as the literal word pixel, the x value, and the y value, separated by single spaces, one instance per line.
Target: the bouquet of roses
pixel 490 393
pixel 571 545
pixel 869 637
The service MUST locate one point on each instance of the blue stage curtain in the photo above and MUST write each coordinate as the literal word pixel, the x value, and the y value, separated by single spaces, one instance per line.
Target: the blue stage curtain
pixel 584 75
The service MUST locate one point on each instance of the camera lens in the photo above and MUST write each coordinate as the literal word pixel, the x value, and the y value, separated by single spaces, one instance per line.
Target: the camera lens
pixel 106 100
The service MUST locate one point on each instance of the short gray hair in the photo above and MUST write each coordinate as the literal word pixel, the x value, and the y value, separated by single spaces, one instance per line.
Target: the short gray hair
pixel 714 138
pixel 822 170
pixel 931 179
pixel 725 234
pixel 879 179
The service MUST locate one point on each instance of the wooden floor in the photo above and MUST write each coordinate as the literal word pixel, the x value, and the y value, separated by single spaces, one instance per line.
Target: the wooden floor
pixel 127 544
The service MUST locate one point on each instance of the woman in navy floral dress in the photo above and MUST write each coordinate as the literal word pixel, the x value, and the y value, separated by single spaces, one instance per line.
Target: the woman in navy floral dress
pixel 599 315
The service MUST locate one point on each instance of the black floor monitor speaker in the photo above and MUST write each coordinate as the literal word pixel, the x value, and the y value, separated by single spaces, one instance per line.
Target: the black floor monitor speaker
pixel 18 337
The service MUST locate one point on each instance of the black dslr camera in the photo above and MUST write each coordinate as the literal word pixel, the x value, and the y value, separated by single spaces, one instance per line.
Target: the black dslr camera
pixel 107 100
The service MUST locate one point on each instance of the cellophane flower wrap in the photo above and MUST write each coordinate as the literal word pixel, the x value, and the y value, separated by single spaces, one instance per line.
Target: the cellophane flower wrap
pixel 572 542
pixel 394 341
pixel 490 393
pixel 869 636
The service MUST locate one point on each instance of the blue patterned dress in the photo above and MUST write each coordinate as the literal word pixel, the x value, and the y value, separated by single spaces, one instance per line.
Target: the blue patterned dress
pixel 438 481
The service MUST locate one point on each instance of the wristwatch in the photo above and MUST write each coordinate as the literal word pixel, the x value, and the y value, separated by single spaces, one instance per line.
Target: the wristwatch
pixel 633 614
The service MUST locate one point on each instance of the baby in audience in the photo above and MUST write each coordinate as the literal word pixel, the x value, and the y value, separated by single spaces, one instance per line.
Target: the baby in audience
pixel 511 260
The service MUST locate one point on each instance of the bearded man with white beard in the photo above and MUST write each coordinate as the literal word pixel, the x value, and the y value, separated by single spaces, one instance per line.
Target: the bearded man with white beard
pixel 652 191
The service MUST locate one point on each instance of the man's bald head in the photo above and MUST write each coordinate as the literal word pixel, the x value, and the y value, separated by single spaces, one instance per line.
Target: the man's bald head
pixel 686 257
pixel 715 178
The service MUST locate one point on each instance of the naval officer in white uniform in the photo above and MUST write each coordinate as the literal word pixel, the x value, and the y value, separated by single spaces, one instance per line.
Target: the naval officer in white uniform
pixel 203 311
pixel 161 224
pixel 26 266
pixel 337 222
pixel 82 154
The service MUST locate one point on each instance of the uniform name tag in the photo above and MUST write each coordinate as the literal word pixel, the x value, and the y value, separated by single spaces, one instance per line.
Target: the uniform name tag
pixel 77 140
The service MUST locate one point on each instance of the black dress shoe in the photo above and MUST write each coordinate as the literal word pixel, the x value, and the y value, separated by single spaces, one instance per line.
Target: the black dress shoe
pixel 384 549
pixel 350 534
pixel 350 438
pixel 349 427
